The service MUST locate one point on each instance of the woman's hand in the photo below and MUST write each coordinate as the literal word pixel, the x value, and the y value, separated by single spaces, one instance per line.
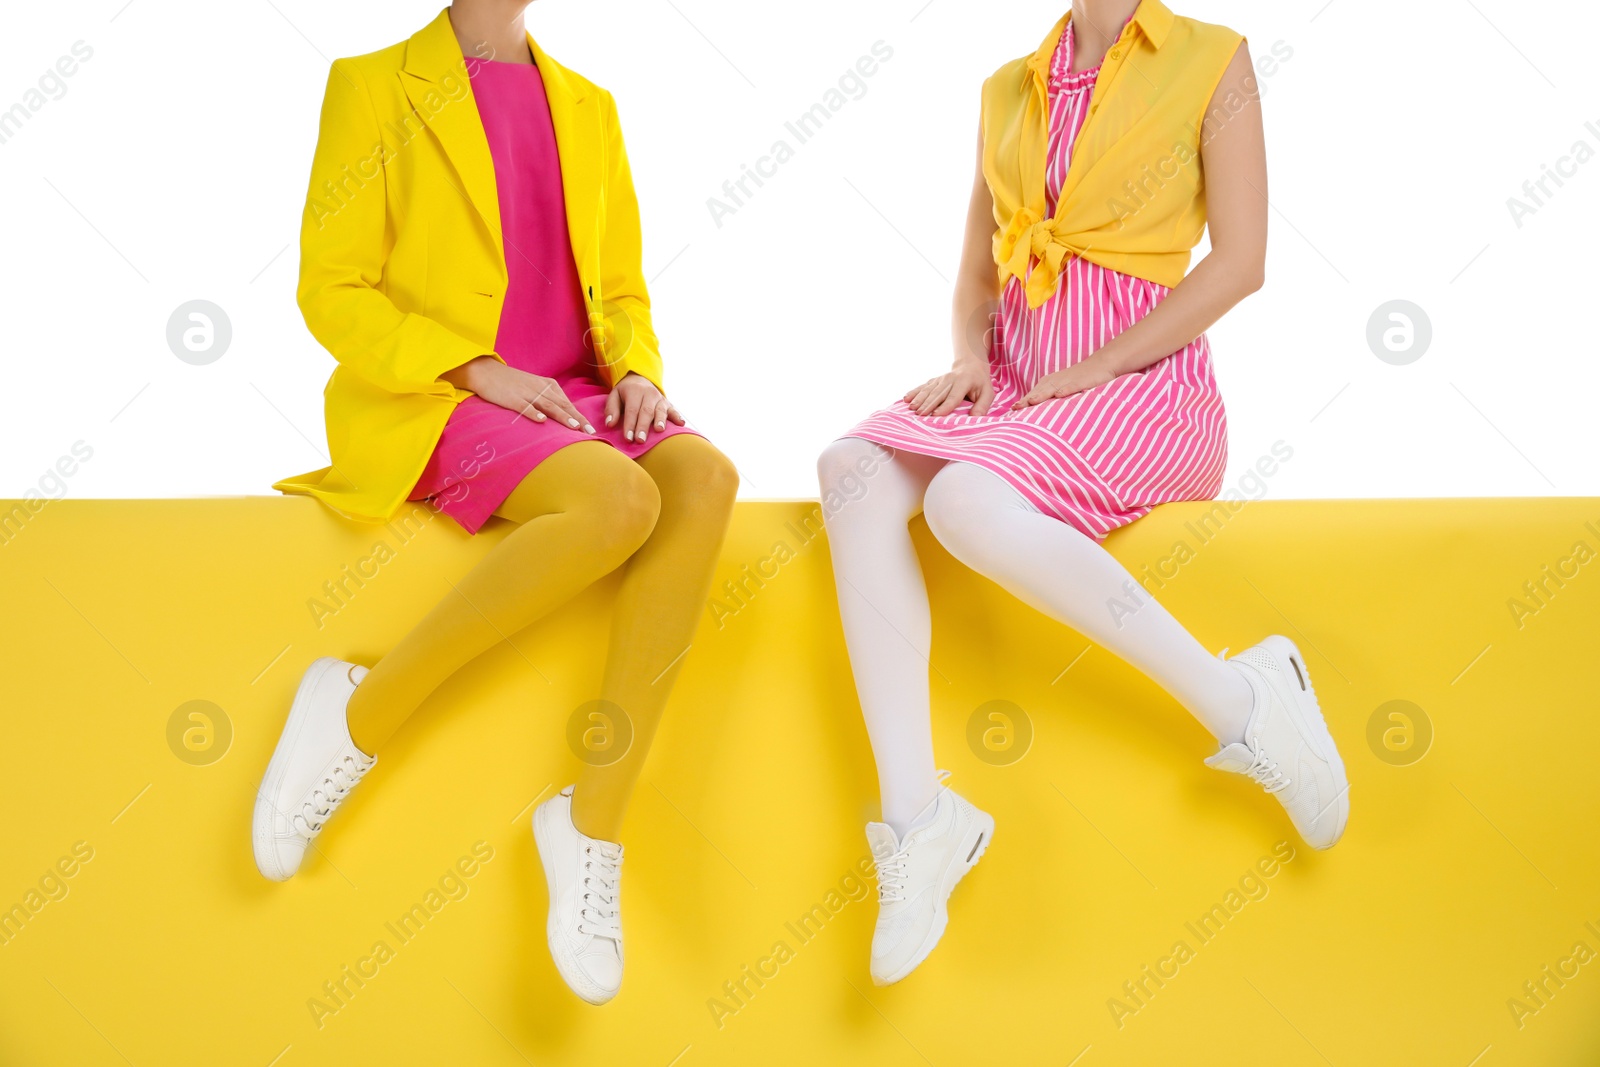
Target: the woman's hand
pixel 972 310
pixel 532 395
pixel 636 405
pixel 1074 379
pixel 940 396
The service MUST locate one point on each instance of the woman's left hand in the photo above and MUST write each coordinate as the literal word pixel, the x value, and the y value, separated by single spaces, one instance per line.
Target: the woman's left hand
pixel 1074 379
pixel 637 405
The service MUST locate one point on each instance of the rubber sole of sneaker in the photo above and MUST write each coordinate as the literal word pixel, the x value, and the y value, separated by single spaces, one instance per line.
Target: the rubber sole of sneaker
pixel 973 846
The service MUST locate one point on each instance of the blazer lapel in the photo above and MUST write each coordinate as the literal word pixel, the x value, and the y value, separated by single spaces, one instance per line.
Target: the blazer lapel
pixel 436 82
pixel 575 116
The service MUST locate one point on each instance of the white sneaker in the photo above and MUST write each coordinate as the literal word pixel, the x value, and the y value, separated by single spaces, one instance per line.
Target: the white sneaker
pixel 1287 748
pixel 313 769
pixel 585 924
pixel 915 877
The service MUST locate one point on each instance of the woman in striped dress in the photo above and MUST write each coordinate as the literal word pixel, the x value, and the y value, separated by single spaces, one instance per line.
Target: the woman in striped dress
pixel 1081 396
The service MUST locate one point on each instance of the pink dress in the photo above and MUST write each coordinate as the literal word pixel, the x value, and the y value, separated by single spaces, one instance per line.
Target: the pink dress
pixel 485 451
pixel 1102 458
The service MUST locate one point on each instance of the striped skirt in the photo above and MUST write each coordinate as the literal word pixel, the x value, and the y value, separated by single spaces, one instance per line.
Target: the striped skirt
pixel 1102 458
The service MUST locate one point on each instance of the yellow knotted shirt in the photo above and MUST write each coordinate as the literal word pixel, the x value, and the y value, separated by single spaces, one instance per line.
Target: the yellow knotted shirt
pixel 1133 199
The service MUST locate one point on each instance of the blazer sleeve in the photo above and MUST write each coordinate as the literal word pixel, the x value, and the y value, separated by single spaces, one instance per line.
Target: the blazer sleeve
pixel 342 251
pixel 630 333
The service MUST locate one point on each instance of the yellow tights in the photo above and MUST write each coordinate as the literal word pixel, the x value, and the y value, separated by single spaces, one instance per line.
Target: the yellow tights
pixel 581 514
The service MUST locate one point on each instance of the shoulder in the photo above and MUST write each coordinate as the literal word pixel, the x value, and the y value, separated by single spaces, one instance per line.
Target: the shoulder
pixel 576 83
pixel 1190 33
pixel 577 87
pixel 1011 70
pixel 1008 78
pixel 373 66
pixel 581 85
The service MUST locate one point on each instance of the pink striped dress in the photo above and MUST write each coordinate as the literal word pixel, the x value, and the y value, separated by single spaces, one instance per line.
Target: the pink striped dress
pixel 1102 458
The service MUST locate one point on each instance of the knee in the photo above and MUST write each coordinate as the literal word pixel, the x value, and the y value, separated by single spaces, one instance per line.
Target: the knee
pixel 697 482
pixel 844 467
pixel 713 476
pixel 955 519
pixel 626 505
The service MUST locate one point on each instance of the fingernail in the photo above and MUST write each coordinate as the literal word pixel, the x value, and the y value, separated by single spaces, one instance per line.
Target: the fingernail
pixel 629 435
pixel 642 438
pixel 573 423
pixel 588 429
pixel 610 419
pixel 661 426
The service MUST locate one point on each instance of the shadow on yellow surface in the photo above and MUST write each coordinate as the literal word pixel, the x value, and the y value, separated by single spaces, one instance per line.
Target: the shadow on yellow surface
pixel 1136 908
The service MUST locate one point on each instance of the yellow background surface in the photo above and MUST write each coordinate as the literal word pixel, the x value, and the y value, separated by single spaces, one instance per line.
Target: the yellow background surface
pixel 1463 874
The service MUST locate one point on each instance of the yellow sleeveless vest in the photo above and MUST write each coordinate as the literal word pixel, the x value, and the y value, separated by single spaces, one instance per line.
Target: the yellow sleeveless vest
pixel 1133 199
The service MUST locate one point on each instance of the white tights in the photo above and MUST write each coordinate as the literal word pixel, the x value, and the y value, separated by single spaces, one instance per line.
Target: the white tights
pixel 870 494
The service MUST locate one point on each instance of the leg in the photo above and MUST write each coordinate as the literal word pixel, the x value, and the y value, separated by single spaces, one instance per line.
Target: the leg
pixel 869 495
pixel 929 837
pixel 662 598
pixel 582 512
pixel 1059 570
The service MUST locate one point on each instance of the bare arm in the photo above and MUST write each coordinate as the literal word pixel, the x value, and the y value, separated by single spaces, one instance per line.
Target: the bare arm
pixel 977 298
pixel 977 295
pixel 1234 155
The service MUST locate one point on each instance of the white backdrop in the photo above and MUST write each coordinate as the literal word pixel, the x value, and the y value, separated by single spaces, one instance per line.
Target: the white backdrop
pixel 170 165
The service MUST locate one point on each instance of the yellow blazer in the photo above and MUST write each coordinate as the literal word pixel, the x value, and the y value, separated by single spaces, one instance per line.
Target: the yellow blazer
pixel 402 269
pixel 1133 199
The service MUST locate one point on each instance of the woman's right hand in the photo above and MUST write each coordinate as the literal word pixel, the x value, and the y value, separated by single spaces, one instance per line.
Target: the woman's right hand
pixel 972 311
pixel 940 396
pixel 532 395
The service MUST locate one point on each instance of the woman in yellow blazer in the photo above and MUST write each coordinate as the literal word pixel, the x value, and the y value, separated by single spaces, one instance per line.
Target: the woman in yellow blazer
pixel 470 256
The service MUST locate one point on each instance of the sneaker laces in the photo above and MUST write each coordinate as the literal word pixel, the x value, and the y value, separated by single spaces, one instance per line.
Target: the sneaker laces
pixel 599 913
pixel 330 793
pixel 892 876
pixel 892 868
pixel 1266 772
